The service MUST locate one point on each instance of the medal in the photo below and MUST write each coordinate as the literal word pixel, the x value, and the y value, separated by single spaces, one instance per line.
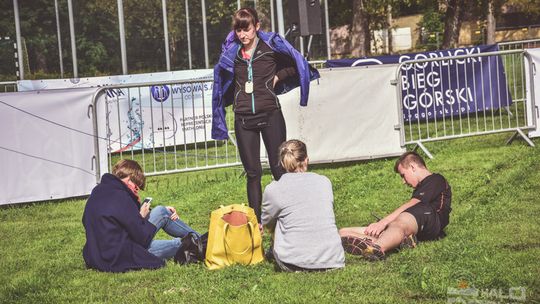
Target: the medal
pixel 248 87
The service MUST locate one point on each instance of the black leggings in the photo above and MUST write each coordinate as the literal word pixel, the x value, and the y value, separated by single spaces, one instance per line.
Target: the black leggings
pixel 249 144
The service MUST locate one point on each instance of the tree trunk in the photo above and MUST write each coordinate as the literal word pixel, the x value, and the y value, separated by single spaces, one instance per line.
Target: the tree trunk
pixel 490 24
pixel 389 29
pixel 452 23
pixel 360 36
pixel 41 62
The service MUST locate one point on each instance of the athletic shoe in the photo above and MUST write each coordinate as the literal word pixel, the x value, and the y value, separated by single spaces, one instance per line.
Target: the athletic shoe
pixel 408 242
pixel 364 247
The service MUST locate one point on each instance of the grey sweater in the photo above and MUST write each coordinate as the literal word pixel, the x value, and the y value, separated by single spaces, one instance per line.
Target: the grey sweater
pixel 299 208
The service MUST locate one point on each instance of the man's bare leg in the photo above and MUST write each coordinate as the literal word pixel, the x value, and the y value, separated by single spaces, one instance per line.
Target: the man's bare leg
pixel 355 232
pixel 353 240
pixel 356 242
pixel 403 226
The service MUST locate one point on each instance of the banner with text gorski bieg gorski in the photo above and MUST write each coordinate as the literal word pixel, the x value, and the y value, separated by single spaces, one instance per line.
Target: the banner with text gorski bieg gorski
pixel 446 87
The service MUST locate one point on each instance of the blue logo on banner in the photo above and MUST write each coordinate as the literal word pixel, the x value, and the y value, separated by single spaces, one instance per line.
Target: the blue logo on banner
pixel 160 93
pixel 445 88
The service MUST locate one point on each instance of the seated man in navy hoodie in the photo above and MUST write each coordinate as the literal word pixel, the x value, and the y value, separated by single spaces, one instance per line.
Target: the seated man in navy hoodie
pixel 120 231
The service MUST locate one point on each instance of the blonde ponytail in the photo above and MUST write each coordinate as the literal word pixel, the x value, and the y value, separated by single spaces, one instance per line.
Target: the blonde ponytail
pixel 292 155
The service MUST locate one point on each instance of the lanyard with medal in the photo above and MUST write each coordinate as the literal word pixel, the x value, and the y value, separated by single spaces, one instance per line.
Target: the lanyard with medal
pixel 248 86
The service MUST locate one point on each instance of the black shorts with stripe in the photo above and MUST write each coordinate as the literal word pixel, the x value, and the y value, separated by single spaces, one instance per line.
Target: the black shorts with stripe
pixel 429 224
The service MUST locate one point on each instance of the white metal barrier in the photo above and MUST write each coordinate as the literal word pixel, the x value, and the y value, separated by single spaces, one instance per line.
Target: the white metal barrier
pixel 519 45
pixel 165 126
pixel 453 97
pixel 318 64
pixel 8 86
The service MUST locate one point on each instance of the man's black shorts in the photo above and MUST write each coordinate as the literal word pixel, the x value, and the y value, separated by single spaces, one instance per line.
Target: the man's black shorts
pixel 429 224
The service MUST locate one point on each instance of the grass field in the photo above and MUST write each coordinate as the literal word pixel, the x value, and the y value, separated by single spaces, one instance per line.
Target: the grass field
pixel 492 244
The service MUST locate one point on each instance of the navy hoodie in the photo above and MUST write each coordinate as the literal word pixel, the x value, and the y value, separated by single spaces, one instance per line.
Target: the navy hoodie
pixel 117 237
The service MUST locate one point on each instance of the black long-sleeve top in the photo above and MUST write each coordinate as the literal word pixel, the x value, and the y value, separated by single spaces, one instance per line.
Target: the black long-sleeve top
pixel 264 65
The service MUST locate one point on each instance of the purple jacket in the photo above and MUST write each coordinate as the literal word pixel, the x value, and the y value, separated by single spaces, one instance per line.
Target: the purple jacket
pixel 117 237
pixel 222 94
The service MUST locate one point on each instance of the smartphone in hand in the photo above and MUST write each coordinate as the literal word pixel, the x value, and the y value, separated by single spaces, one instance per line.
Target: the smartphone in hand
pixel 148 201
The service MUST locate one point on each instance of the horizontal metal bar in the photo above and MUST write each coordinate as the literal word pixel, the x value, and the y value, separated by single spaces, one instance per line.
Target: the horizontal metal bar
pixel 192 169
pixel 518 42
pixel 148 84
pixel 448 58
pixel 350 159
pixel 469 135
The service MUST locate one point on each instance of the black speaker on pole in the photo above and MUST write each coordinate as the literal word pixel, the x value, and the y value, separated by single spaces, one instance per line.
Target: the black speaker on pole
pixel 305 17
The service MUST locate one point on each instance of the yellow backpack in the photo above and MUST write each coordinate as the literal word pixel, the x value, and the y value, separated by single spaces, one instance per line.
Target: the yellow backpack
pixel 233 237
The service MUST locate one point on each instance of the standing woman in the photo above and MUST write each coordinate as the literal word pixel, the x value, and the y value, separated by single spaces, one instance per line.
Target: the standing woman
pixel 255 67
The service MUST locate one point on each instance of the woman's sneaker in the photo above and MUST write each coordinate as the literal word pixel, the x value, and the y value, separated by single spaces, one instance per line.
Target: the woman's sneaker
pixel 364 247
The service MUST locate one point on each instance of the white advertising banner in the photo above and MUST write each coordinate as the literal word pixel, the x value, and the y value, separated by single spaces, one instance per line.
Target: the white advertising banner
pixel 47 149
pixel 48 84
pixel 148 116
pixel 351 115
pixel 48 142
pixel 533 89
pixel 157 116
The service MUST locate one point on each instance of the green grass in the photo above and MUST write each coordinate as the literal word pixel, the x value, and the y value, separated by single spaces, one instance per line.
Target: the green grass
pixel 492 240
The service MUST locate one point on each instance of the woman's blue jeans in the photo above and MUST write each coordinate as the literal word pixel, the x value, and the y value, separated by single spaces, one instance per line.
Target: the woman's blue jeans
pixel 161 218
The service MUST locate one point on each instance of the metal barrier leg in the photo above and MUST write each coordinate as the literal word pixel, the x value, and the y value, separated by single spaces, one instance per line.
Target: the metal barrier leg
pixel 507 108
pixel 523 135
pixel 232 139
pixel 426 151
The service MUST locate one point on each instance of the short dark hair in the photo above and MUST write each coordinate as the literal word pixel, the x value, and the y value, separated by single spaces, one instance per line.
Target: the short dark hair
pixel 407 158
pixel 130 168
pixel 244 17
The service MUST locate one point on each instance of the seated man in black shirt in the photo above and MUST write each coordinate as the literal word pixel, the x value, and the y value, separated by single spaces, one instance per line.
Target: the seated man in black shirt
pixel 422 218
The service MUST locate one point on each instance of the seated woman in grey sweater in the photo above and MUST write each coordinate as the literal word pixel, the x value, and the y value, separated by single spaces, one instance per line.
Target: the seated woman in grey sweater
pixel 299 210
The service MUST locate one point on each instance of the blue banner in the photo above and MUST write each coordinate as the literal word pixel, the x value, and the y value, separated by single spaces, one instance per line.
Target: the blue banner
pixel 443 88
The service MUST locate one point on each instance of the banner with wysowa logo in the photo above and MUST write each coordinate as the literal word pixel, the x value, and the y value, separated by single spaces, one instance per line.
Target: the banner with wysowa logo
pixel 159 116
pixel 444 88
pixel 147 117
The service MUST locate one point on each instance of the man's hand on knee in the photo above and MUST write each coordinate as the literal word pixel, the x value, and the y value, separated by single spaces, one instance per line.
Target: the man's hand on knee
pixel 375 229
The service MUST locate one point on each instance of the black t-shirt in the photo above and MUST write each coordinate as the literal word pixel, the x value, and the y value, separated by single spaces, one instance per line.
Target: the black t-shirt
pixel 435 191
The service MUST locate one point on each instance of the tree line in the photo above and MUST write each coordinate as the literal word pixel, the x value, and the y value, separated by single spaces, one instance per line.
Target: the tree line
pixel 442 16
pixel 98 45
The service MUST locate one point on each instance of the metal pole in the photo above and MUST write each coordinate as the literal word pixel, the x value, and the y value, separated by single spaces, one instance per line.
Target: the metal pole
pixel 59 39
pixel 205 34
pixel 188 33
pixel 166 34
pixel 18 34
pixel 281 24
pixel 327 28
pixel 72 35
pixel 272 21
pixel 122 36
